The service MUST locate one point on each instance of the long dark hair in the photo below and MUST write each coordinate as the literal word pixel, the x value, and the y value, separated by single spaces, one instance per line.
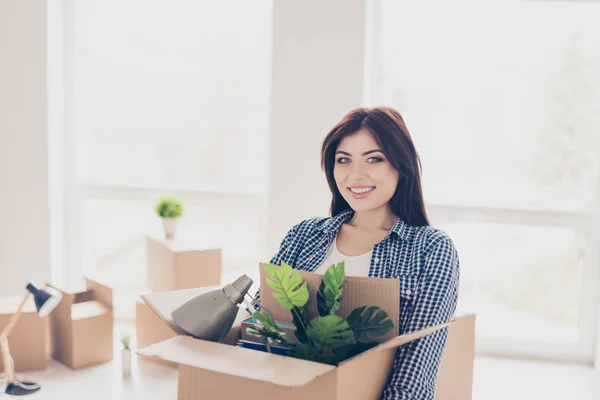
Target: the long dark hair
pixel 389 130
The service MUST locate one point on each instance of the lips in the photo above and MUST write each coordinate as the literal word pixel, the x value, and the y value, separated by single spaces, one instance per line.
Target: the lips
pixel 361 192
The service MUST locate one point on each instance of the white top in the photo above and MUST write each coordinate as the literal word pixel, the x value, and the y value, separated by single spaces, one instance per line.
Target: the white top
pixel 353 265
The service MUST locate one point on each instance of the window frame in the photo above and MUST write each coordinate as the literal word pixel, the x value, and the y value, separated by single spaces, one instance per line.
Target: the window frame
pixel 585 350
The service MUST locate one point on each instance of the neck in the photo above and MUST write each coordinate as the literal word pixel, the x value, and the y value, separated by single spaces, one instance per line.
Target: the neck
pixel 381 218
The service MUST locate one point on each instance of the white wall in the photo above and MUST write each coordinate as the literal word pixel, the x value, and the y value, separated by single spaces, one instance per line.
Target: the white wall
pixel 24 226
pixel 318 76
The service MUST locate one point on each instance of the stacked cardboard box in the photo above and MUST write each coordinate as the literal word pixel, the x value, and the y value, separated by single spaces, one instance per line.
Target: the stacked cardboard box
pixel 82 326
pixel 172 265
pixel 29 342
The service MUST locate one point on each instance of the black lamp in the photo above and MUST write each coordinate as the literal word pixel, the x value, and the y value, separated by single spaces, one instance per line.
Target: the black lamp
pixel 45 299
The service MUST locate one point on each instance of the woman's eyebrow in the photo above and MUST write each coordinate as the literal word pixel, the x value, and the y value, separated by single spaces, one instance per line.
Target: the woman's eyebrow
pixel 364 154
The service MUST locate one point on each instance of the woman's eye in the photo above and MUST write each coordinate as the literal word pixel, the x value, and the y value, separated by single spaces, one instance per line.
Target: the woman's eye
pixel 375 159
pixel 343 160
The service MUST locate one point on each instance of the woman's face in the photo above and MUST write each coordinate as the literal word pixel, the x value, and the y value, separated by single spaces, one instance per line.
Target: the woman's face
pixel 363 175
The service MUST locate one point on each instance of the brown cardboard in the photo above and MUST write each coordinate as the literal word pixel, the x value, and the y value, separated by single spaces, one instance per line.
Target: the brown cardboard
pixel 217 371
pixel 458 357
pixel 29 342
pixel 150 328
pixel 173 265
pixel 82 326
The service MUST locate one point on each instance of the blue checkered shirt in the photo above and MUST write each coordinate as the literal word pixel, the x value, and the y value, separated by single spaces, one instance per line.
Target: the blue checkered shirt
pixel 425 262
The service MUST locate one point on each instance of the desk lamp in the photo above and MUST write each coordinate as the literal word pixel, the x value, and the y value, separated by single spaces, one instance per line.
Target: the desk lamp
pixel 45 299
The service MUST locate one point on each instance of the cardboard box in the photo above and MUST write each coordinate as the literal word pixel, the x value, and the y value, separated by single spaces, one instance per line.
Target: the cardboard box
pixel 82 326
pixel 220 371
pixel 29 342
pixel 150 328
pixel 173 265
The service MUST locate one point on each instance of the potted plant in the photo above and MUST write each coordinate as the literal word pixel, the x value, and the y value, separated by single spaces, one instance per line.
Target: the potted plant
pixel 126 353
pixel 327 338
pixel 169 208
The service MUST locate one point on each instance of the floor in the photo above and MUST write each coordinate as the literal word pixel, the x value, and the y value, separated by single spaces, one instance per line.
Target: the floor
pixel 494 379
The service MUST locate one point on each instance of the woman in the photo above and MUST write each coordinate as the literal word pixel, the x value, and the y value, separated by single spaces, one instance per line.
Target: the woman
pixel 379 228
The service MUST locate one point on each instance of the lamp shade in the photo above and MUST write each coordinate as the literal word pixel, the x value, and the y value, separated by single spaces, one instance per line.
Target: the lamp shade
pixel 210 315
pixel 45 299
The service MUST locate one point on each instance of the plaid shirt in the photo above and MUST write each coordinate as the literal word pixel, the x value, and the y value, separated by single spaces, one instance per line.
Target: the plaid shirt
pixel 426 264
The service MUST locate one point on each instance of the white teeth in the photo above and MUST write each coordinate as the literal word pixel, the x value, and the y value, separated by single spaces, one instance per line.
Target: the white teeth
pixel 361 190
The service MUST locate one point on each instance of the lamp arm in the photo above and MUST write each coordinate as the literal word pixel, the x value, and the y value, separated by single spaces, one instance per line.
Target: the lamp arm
pixel 15 317
pixel 6 358
pixel 4 350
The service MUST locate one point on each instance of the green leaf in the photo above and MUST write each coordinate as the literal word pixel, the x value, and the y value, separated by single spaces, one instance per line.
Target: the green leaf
pixel 169 206
pixel 314 353
pixel 331 331
pixel 305 352
pixel 330 291
pixel 289 288
pixel 299 320
pixel 265 320
pixel 359 348
pixel 267 329
pixel 366 322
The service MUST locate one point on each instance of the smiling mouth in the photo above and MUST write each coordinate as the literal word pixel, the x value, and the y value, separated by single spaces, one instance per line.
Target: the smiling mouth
pixel 362 190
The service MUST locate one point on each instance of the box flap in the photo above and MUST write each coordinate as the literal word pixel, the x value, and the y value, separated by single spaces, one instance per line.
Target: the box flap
pixel 358 291
pixel 237 361
pixel 400 340
pixel 99 291
pixel 409 337
pixel 88 309
pixel 164 303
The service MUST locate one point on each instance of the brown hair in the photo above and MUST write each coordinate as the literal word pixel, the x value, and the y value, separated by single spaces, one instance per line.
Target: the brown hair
pixel 389 131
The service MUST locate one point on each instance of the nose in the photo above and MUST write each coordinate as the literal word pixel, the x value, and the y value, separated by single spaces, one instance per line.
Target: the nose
pixel 359 171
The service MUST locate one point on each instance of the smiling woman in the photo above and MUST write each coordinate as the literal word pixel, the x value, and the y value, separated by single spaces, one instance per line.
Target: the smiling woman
pixel 378 228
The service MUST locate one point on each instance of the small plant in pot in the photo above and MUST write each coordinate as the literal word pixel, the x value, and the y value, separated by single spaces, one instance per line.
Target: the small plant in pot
pixel 169 208
pixel 126 353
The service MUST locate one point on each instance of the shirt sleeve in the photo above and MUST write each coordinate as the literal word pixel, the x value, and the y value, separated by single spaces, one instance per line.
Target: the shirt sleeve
pixel 281 255
pixel 417 363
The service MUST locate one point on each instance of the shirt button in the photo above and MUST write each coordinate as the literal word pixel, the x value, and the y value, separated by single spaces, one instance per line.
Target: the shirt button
pixel 408 291
pixel 376 260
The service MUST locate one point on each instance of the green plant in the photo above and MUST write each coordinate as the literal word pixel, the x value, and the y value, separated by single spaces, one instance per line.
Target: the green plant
pixel 126 340
pixel 327 338
pixel 169 207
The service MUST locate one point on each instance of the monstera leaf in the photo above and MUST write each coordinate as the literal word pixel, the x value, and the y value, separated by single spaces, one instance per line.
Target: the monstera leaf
pixel 369 321
pixel 331 331
pixel 329 295
pixel 292 293
pixel 287 284
pixel 267 329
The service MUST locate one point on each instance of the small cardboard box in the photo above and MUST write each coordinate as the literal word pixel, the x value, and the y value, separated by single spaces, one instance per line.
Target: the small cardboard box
pixel 172 265
pixel 220 371
pixel 82 326
pixel 29 342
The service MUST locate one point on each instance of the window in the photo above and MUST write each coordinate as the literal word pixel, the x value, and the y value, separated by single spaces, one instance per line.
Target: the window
pixel 171 95
pixel 164 97
pixel 502 99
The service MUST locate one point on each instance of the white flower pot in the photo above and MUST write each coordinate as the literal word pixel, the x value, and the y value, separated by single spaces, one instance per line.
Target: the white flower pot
pixel 126 361
pixel 169 227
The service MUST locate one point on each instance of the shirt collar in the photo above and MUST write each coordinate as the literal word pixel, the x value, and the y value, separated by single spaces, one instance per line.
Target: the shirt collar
pixel 333 224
